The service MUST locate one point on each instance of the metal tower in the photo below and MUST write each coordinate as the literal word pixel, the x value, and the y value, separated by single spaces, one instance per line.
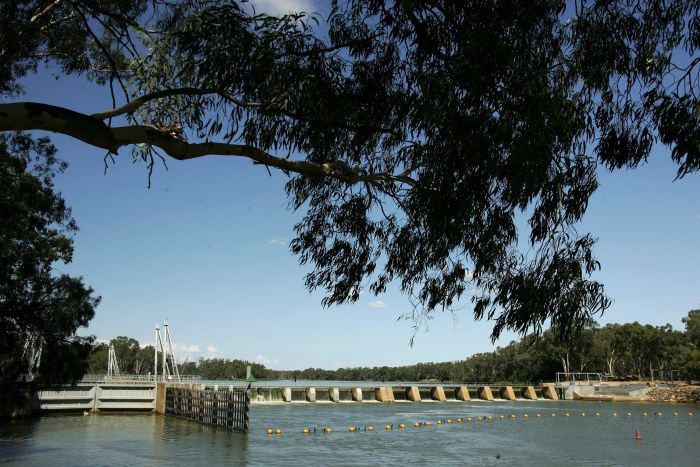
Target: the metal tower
pixel 169 369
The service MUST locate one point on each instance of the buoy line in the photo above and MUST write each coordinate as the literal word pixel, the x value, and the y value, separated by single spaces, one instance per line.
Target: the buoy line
pixel 448 421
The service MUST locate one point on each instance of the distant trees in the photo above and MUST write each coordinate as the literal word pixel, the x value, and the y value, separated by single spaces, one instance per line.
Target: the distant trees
pixel 132 358
pixel 618 350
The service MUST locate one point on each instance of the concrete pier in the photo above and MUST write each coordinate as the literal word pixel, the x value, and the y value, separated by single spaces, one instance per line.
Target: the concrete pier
pixel 438 394
pixel 507 393
pixel 548 392
pixel 485 393
pixel 310 394
pixel 357 394
pixel 413 394
pixel 384 394
pixel 462 394
pixel 529 393
pixel 334 395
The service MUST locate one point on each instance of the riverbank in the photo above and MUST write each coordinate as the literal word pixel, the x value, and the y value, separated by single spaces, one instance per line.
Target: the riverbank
pixel 683 394
pixel 635 392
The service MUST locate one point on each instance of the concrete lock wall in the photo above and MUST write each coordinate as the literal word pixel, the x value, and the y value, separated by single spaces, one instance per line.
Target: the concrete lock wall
pixel 413 394
pixel 485 393
pixel 310 394
pixel 357 394
pixel 438 394
pixel 462 393
pixel 507 393
pixel 529 393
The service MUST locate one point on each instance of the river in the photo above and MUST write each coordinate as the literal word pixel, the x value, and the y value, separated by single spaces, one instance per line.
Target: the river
pixel 132 439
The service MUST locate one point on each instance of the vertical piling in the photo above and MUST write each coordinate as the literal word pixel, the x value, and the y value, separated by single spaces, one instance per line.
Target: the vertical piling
pixel 219 407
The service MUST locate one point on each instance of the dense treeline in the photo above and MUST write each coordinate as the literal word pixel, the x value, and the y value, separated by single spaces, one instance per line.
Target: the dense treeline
pixel 628 350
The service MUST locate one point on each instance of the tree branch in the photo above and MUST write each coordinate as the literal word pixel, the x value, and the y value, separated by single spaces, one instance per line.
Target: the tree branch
pixel 93 131
pixel 187 91
pixel 190 91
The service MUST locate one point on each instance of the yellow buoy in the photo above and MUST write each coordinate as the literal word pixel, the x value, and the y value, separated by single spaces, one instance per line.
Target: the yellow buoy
pixel 278 431
pixel 675 414
pixel 389 427
pixel 306 431
pixel 512 416
pixel 351 429
pixel 583 414
pixel 449 420
pixel 490 417
pixel 370 428
pixel 538 415
pixel 554 415
pixel 439 422
pixel 269 431
pixel 525 415
pixel 459 420
pixel 427 423
pixel 328 430
pixel 469 419
pixel 567 414
pixel 629 414
pixel 478 419
pixel 597 414
pixel 614 414
pixel 690 414
pixel 644 414
pixel 416 424
pixel 501 417
pixel 402 426
pixel 659 414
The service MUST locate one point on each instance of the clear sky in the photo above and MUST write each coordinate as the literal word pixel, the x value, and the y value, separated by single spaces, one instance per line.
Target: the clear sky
pixel 207 249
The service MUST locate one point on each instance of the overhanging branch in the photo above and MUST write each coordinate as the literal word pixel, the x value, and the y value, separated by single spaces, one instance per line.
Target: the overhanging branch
pixel 93 131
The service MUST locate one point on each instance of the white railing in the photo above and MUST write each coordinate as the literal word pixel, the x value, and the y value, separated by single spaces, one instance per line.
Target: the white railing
pixel 97 379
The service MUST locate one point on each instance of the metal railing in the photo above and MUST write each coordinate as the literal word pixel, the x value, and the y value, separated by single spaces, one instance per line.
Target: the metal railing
pixel 134 379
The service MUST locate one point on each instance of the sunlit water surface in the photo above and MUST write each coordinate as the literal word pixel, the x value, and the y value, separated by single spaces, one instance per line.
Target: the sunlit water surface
pixel 119 439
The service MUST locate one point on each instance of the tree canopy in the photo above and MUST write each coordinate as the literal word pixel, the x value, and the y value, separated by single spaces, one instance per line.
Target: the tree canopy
pixel 413 132
pixel 40 310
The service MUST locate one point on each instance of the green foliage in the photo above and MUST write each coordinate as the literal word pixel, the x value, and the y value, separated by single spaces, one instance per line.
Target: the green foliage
pixel 460 116
pixel 39 310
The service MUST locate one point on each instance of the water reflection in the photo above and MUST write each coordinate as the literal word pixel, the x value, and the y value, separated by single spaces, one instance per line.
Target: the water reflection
pixel 119 439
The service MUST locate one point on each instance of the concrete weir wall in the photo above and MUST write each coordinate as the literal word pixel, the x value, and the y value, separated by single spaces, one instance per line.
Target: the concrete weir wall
pixel 399 392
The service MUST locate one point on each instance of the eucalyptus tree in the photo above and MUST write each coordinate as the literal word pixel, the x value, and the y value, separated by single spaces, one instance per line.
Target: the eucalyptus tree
pixel 40 308
pixel 413 132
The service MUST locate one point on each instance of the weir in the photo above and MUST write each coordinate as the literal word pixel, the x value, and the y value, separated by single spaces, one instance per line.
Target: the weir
pixel 362 392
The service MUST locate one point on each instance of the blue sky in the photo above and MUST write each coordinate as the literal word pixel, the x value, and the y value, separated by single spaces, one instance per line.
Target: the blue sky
pixel 207 248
